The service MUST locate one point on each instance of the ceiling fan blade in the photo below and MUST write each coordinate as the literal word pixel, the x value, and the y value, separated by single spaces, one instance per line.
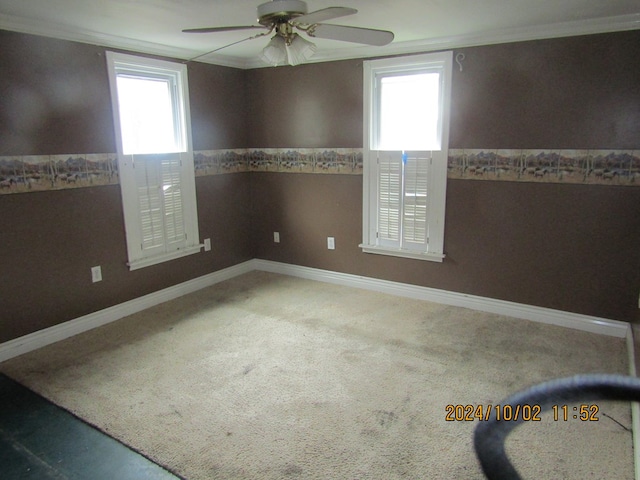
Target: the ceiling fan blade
pixel 220 29
pixel 217 49
pixel 366 36
pixel 324 14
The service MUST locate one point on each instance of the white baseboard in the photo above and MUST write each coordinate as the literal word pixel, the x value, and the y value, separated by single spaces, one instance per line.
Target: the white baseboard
pixel 64 330
pixel 44 337
pixel 587 323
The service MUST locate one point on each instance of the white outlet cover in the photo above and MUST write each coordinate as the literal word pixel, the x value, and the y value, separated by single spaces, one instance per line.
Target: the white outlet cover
pixel 331 243
pixel 96 274
pixel 276 237
pixel 207 244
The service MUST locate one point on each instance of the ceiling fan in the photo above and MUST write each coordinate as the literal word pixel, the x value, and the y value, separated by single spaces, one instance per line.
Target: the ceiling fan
pixel 285 16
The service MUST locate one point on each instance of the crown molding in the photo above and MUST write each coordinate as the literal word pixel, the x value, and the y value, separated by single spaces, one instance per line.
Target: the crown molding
pixel 509 35
pixel 81 35
pixel 234 62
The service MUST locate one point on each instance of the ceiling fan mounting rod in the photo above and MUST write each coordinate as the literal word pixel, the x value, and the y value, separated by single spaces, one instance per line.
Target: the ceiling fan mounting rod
pixel 280 11
pixel 285 30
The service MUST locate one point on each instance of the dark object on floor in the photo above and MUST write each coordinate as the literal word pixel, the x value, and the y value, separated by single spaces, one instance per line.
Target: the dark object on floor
pixel 39 440
pixel 489 436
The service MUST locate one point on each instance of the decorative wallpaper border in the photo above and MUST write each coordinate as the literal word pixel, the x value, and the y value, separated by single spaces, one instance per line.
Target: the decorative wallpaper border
pixel 595 167
pixel 286 160
pixel 32 173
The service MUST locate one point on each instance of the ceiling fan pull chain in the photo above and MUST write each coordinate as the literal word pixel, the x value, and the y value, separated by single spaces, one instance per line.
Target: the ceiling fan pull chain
pixel 234 43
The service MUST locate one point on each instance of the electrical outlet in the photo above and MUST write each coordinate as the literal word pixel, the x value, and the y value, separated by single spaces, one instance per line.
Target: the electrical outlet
pixel 331 243
pixel 276 237
pixel 96 274
pixel 207 244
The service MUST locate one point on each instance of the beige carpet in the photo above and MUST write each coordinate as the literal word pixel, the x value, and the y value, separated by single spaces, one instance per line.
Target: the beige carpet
pixel 270 377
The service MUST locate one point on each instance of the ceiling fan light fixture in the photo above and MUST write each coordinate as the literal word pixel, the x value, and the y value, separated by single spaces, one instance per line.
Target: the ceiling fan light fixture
pixel 299 50
pixel 291 51
pixel 275 53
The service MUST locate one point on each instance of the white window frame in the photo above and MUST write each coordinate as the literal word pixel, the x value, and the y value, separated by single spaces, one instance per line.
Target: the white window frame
pixel 432 248
pixel 163 172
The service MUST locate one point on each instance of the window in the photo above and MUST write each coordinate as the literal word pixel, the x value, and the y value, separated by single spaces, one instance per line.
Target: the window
pixel 155 158
pixel 406 137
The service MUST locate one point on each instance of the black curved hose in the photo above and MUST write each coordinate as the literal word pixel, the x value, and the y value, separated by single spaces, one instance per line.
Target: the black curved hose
pixel 489 436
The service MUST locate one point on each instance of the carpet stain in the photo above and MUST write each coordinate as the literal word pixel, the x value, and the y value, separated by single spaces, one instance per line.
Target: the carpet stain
pixel 385 418
pixel 291 470
pixel 369 432
pixel 174 411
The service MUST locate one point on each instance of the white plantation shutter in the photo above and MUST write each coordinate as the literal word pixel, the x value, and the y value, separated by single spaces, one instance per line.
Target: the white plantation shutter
pixel 175 234
pixel 150 204
pixel 415 208
pixel 158 186
pixel 389 198
pixel 402 200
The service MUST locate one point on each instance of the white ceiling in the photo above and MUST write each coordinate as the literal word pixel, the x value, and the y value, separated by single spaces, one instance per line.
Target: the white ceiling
pixel 154 26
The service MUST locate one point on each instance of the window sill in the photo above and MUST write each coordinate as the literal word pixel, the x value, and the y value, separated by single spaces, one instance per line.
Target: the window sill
pixel 396 252
pixel 165 257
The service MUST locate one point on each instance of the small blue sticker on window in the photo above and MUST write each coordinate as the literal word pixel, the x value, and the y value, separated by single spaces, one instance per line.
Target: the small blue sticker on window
pixel 404 158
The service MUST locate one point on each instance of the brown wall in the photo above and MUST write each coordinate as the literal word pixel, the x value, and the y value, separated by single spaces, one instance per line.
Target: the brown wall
pixel 571 247
pixel 577 92
pixel 312 106
pixel 218 107
pixel 54 97
pixel 55 100
pixel 568 247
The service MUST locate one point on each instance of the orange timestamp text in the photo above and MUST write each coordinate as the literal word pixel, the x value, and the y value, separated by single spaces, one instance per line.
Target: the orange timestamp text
pixel 518 412
pixel 507 413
